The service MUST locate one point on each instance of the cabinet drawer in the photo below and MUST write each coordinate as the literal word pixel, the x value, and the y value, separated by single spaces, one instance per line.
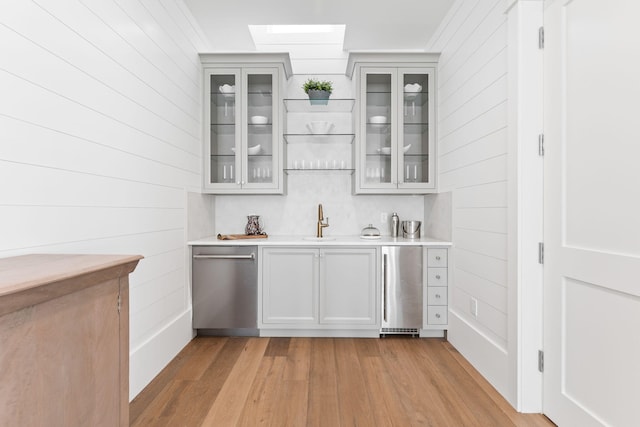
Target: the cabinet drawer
pixel 436 258
pixel 437 315
pixel 437 277
pixel 437 295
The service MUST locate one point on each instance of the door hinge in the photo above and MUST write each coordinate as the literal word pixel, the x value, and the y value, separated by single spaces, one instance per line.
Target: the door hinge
pixel 540 253
pixel 541 144
pixel 541 38
pixel 540 360
pixel 119 303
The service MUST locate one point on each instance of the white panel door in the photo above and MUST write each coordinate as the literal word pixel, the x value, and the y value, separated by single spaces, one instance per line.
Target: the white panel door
pixel 592 212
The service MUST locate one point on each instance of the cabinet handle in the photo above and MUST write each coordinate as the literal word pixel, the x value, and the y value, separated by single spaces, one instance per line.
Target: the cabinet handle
pixel 384 286
pixel 437 315
pixel 250 256
pixel 437 257
pixel 438 276
pixel 437 295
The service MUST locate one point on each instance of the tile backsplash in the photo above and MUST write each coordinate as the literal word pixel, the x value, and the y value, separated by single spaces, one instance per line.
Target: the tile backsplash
pixel 296 213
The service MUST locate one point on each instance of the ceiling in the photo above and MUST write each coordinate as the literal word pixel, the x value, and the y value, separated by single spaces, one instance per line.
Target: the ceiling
pixel 370 24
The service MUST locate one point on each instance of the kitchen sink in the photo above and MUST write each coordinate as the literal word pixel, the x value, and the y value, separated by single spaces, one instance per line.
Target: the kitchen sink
pixel 318 239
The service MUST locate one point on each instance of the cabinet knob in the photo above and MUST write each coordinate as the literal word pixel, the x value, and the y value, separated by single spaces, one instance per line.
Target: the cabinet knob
pixel 437 295
pixel 438 276
pixel 437 315
pixel 438 257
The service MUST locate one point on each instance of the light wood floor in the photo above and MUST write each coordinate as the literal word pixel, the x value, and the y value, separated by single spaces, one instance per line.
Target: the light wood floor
pixel 393 381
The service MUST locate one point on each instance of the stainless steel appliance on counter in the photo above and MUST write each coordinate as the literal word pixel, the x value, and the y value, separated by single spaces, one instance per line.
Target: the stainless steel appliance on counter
pixel 402 290
pixel 225 290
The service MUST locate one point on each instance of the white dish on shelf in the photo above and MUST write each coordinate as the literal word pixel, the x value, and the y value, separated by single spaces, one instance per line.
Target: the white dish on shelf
pixel 378 120
pixel 412 88
pixel 259 120
pixel 251 150
pixel 387 150
pixel 227 89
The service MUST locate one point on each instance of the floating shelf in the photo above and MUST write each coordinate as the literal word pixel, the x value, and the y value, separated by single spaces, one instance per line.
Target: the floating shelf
pixel 329 138
pixel 335 105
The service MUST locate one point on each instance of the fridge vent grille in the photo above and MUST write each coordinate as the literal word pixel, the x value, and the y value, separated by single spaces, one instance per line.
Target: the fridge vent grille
pixel 408 331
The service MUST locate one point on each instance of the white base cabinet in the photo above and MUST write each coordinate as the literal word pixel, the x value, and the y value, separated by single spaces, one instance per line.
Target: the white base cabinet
pixel 312 288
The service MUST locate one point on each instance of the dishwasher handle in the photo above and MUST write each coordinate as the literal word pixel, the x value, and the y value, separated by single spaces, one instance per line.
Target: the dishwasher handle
pixel 250 256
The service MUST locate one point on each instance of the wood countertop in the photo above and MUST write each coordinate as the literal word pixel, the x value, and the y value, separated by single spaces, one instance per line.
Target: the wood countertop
pixel 31 279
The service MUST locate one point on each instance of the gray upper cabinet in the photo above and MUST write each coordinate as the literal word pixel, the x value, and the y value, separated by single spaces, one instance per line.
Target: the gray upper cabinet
pixel 395 123
pixel 243 151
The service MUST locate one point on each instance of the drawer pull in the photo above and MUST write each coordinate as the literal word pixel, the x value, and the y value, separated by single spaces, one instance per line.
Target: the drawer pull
pixel 438 276
pixel 438 257
pixel 437 315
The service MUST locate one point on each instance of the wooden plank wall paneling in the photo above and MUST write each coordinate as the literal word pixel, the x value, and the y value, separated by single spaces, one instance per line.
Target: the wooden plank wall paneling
pixel 472 156
pixel 100 119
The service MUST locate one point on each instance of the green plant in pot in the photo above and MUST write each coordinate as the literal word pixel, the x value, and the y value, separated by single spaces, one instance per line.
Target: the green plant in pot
pixel 318 91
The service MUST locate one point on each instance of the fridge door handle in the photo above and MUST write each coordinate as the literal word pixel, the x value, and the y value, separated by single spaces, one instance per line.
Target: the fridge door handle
pixel 384 286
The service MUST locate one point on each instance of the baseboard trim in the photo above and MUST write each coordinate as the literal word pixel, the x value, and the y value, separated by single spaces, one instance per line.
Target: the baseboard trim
pixel 149 358
pixel 491 360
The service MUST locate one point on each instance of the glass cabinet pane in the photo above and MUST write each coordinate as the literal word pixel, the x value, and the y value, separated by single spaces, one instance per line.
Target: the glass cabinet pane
pixel 415 128
pixel 223 128
pixel 378 116
pixel 260 132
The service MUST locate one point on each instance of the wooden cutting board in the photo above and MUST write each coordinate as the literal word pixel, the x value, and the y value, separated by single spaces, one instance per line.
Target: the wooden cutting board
pixel 241 236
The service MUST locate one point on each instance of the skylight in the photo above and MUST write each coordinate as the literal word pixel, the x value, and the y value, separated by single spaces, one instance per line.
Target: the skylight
pixel 265 36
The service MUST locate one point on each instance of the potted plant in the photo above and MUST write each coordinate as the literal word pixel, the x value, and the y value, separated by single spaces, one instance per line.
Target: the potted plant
pixel 318 91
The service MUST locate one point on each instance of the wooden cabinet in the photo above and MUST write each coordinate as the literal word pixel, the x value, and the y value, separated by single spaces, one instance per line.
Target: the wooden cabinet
pixel 64 329
pixel 243 151
pixel 395 123
pixel 436 297
pixel 312 288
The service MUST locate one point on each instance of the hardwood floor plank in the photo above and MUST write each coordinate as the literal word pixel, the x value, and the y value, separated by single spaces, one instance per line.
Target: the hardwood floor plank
pixel 298 360
pixel 355 407
pixel 323 385
pixel 261 404
pixel 144 400
pixel 457 392
pixel 277 347
pixel 518 419
pixel 199 360
pixel 387 408
pixel 195 402
pixel 395 381
pixel 227 408
pixel 420 399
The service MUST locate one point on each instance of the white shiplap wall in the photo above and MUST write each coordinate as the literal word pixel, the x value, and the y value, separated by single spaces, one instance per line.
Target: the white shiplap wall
pixel 473 165
pixel 100 124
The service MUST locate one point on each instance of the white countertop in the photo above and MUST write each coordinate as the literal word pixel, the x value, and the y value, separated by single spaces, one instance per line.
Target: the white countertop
pixel 328 241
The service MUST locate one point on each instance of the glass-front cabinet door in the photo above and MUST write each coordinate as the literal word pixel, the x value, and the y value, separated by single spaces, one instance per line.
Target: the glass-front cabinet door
pixel 242 136
pixel 396 130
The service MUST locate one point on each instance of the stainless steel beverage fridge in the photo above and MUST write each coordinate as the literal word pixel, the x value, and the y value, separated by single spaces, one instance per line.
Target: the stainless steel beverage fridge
pixel 402 290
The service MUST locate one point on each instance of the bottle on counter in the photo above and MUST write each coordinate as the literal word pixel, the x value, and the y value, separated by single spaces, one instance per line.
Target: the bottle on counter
pixel 395 225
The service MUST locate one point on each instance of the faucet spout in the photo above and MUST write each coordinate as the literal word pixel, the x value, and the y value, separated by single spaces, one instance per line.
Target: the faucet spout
pixel 321 223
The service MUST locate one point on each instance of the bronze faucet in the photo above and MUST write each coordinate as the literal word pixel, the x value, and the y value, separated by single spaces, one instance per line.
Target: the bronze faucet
pixel 321 224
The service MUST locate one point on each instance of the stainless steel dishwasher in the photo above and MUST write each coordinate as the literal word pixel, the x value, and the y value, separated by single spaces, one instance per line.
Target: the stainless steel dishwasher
pixel 402 290
pixel 225 290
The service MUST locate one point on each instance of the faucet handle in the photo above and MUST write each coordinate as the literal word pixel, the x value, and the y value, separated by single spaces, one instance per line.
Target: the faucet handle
pixel 327 221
